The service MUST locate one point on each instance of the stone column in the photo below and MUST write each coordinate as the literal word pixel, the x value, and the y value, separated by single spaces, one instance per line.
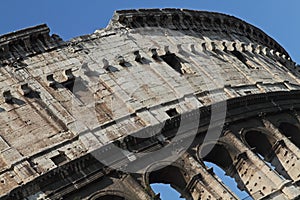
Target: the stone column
pixel 135 188
pixel 286 152
pixel 203 184
pixel 258 178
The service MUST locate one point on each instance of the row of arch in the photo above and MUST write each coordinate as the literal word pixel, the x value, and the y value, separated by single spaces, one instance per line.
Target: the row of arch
pixel 274 154
pixel 258 158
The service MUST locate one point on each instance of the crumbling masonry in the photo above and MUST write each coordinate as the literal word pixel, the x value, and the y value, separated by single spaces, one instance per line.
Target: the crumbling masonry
pixel 72 113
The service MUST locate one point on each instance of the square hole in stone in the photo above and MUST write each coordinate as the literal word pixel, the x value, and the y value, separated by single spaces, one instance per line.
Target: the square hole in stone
pixel 172 112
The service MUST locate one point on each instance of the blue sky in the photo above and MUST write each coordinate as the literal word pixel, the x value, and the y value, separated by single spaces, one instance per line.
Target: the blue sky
pixel 278 18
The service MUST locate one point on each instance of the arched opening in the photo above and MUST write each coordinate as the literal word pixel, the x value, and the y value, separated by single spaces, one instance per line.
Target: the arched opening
pixel 168 179
pixel 166 191
pixel 227 180
pixel 262 144
pixel 291 131
pixel 259 142
pixel 220 161
pixel 110 197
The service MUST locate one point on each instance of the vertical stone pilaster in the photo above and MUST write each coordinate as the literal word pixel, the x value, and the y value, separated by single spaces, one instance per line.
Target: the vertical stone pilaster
pixel 271 127
pixel 286 152
pixel 258 178
pixel 203 184
pixel 124 186
pixel 136 189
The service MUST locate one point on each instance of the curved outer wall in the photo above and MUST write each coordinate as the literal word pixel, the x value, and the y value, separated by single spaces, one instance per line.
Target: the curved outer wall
pixel 65 103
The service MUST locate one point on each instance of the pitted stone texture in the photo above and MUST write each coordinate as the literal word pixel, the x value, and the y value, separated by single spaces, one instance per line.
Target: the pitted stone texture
pixel 142 75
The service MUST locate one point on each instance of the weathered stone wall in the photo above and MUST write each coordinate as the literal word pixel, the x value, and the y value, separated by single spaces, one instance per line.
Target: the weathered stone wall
pixel 75 116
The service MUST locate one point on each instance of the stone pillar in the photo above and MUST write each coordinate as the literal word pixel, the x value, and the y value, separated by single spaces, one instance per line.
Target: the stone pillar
pixel 286 152
pixel 124 186
pixel 203 184
pixel 135 188
pixel 258 178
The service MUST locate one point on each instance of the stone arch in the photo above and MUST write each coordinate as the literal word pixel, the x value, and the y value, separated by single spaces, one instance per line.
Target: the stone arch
pixel 111 195
pixel 223 155
pixel 291 131
pixel 218 153
pixel 167 173
pixel 263 143
pixel 260 139
pixel 287 124
pixel 242 164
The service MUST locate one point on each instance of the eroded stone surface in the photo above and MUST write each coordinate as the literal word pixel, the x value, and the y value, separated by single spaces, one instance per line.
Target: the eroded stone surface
pixel 142 75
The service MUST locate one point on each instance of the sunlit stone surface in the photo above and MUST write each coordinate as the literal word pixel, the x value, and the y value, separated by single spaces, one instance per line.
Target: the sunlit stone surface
pixel 149 99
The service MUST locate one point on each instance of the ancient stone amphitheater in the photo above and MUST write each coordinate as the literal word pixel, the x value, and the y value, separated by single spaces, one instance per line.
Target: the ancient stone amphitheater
pixel 149 99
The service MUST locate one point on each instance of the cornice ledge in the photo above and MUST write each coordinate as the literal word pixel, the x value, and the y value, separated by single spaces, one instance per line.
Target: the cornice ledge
pixel 183 19
pixel 26 42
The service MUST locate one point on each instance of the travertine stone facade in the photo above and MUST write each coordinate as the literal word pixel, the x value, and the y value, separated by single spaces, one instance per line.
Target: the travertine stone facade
pixel 68 107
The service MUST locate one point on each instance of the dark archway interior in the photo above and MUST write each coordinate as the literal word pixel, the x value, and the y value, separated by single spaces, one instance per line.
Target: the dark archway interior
pixel 259 142
pixel 262 146
pixel 110 197
pixel 170 175
pixel 217 155
pixel 291 131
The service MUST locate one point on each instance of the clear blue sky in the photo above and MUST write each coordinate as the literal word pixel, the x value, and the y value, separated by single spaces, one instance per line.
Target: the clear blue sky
pixel 278 18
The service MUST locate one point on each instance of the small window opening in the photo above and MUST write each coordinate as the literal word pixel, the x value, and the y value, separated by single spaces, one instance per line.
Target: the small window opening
pixel 154 54
pixel 138 57
pixel 121 60
pixel 172 112
pixel 242 58
pixel 70 79
pixel 173 61
pixel 111 69
pixel 60 159
pixel 7 96
pixel 50 81
pixel 27 91
pixel 108 67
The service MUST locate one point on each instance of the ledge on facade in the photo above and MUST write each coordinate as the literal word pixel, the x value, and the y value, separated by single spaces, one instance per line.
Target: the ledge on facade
pixel 33 40
pixel 27 41
pixel 182 19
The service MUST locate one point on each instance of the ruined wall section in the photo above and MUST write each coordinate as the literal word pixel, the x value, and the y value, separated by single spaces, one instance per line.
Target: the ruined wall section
pixel 62 100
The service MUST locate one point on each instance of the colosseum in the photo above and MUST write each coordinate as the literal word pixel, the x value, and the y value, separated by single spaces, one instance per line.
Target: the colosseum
pixel 151 98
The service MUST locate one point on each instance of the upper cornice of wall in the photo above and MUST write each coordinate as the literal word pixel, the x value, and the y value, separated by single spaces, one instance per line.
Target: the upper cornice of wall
pixel 34 40
pixel 27 41
pixel 24 33
pixel 182 19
